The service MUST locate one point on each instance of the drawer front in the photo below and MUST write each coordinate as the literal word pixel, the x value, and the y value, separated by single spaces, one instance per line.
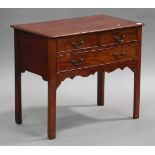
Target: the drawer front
pixel 76 42
pixel 119 36
pixel 98 57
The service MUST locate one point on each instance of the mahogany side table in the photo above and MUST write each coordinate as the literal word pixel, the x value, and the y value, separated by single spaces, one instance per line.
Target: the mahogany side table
pixel 82 46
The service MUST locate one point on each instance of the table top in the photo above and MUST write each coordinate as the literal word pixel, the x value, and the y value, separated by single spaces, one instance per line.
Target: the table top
pixel 81 25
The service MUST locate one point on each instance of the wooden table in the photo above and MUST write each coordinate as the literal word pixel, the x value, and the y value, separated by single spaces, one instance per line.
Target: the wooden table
pixel 82 46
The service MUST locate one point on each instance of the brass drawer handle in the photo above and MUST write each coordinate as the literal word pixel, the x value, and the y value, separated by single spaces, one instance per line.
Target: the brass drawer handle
pixel 77 62
pixel 77 44
pixel 119 38
pixel 117 55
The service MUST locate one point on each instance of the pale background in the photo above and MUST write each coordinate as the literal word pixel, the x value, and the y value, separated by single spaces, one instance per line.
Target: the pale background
pixel 79 120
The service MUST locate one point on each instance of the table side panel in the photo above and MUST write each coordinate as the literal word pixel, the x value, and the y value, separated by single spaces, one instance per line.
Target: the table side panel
pixel 33 53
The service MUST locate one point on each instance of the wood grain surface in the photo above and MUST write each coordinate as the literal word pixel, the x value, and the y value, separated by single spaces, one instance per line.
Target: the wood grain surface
pixel 65 27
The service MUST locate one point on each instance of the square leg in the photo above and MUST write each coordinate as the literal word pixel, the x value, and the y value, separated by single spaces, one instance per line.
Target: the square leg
pixel 100 88
pixel 51 110
pixel 136 95
pixel 18 104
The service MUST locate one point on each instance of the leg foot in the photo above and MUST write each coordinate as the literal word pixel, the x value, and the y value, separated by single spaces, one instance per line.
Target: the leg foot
pixel 51 137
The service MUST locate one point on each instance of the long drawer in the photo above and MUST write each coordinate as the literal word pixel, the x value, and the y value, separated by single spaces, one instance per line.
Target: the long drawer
pixel 96 57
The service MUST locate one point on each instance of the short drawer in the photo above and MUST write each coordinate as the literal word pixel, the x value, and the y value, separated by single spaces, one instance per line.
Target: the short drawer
pixel 77 42
pixel 119 36
pixel 98 57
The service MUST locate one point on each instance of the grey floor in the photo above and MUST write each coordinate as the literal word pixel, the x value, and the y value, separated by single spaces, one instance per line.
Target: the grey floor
pixel 79 120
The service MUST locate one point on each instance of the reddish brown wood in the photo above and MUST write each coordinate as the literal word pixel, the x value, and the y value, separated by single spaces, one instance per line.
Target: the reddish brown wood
pixel 52 86
pixel 84 72
pixel 119 36
pixel 62 49
pixel 100 88
pixel 96 57
pixel 66 27
pixel 77 42
pixel 18 104
pixel 33 53
pixel 137 78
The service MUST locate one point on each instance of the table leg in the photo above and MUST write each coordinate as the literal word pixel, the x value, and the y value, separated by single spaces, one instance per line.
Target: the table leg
pixel 52 86
pixel 137 73
pixel 18 105
pixel 51 110
pixel 100 88
pixel 136 94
